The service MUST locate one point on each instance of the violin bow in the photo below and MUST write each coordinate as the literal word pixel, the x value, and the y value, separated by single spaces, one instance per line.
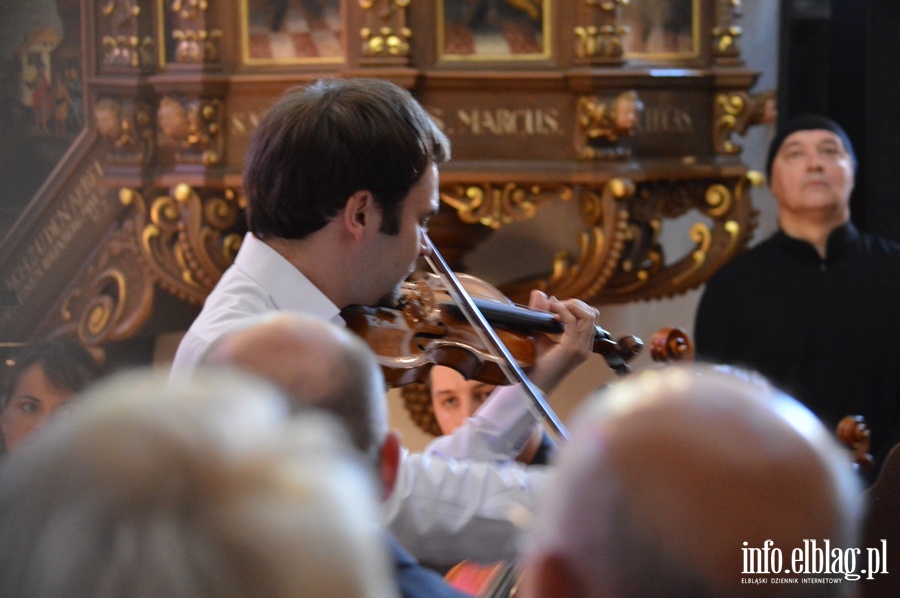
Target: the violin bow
pixel 507 363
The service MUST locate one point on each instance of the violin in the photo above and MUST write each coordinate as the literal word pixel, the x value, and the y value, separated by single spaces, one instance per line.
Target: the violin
pixel 419 339
pixel 427 327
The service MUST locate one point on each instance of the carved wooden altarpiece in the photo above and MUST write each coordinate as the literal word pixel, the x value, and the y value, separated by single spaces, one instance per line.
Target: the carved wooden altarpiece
pixel 629 111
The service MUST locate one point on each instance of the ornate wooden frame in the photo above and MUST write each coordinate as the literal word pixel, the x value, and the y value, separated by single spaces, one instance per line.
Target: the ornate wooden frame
pixel 151 193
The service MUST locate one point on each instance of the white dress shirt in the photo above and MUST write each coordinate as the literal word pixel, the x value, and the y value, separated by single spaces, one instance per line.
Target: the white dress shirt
pixel 451 503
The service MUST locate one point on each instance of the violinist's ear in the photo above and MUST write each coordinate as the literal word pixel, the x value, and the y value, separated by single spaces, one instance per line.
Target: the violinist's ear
pixel 389 464
pixel 360 212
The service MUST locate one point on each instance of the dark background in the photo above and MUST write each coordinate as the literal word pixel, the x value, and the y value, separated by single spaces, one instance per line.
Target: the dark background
pixel 841 58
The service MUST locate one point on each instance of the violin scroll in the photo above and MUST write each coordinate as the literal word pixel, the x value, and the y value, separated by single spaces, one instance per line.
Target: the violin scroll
pixel 854 433
pixel 670 345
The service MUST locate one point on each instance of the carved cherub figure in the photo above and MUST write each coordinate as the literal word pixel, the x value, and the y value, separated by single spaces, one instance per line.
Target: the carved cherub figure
pixel 173 121
pixel 605 124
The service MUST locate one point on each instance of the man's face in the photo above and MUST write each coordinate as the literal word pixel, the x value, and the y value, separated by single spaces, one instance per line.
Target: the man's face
pixel 812 172
pixel 393 257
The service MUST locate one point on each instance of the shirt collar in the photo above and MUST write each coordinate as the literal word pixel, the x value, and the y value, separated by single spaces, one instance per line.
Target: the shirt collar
pixel 288 287
pixel 840 243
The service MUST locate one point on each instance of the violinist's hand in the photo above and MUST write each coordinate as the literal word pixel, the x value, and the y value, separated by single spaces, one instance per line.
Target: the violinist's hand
pixel 556 360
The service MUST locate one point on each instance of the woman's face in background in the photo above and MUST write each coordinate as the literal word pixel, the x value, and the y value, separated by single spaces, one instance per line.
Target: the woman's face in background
pixel 33 400
pixel 454 398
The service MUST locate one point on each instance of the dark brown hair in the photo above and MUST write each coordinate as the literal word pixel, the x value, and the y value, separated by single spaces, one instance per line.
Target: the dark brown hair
pixel 67 366
pixel 319 145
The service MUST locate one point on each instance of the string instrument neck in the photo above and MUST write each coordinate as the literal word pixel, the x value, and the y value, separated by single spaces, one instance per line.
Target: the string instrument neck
pixel 515 317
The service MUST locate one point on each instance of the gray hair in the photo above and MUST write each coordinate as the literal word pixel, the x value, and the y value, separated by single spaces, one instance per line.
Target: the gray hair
pixel 203 488
pixel 668 473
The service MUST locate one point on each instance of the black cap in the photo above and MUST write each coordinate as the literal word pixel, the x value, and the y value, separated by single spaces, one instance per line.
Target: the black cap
pixel 806 122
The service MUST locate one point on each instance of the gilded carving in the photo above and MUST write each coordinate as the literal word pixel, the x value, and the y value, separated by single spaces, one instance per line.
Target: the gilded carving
pixel 114 296
pixel 600 244
pixel 126 128
pixel 385 41
pixel 510 128
pixel 180 242
pixel 598 36
pixel 189 9
pixel 386 33
pixel 736 112
pixel 725 33
pixel 603 125
pixel 123 41
pixel 724 222
pixel 193 127
pixel 188 241
pixel 621 257
pixel 195 42
pixel 604 41
pixel 122 50
pixel 196 46
pixel 494 205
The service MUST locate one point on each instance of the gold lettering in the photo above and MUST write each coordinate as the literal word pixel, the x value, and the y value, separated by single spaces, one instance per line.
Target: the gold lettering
pixel 503 121
pixel 656 119
pixel 549 120
pixel 489 122
pixel 51 240
pixel 508 121
pixel 470 119
pixel 242 123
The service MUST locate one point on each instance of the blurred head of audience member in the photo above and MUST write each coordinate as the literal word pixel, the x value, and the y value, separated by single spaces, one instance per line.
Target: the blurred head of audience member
pixel 324 366
pixel 669 476
pixel 318 364
pixel 204 488
pixel 44 377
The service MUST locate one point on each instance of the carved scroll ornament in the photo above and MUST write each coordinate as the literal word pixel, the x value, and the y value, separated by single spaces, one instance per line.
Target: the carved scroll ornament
pixel 179 242
pixel 620 256
pixel 494 205
pixel 725 219
pixel 736 112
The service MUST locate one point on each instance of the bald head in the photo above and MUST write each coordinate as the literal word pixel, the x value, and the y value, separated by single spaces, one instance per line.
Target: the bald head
pixel 667 476
pixel 318 364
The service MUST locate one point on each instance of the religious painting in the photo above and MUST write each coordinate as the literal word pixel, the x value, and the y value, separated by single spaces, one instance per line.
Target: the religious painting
pixel 661 28
pixel 41 97
pixel 292 31
pixel 493 29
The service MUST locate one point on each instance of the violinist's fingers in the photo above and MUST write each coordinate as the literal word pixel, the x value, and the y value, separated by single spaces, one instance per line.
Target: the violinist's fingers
pixel 578 319
pixel 574 345
pixel 539 300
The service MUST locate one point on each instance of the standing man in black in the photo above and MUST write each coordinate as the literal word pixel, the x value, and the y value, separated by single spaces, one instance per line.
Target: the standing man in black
pixel 816 307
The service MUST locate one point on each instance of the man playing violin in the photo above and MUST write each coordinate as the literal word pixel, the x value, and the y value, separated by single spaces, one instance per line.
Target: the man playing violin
pixel 341 179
